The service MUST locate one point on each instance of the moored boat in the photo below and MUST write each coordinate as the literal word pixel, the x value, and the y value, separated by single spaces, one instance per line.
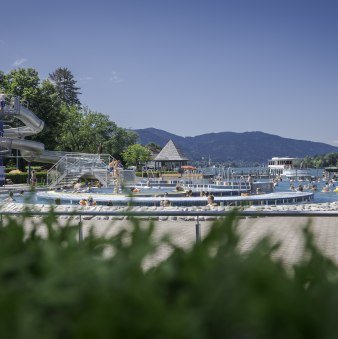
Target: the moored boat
pixel 291 168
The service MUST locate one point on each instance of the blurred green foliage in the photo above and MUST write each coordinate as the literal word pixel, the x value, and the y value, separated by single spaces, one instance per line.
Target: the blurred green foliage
pixel 56 287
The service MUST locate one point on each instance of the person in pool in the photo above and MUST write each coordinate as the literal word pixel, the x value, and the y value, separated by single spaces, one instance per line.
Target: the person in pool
pixel 314 188
pixel 211 200
pixel 91 202
pixel 83 202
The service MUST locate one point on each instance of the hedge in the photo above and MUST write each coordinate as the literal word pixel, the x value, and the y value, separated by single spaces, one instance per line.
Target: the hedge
pixel 22 178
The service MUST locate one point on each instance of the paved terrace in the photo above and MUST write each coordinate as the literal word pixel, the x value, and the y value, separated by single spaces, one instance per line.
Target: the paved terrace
pixel 285 230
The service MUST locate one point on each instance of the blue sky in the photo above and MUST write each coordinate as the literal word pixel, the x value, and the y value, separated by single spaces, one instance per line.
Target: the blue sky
pixel 189 67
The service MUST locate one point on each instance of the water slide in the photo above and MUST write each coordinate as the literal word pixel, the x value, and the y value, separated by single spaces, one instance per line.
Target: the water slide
pixel 13 137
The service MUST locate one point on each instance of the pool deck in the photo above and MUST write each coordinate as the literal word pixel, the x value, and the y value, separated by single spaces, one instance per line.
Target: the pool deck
pixel 16 188
pixel 284 230
pixel 287 231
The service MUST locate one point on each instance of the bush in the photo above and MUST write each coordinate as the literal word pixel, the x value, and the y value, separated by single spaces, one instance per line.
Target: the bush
pixel 17 178
pixel 55 287
pixel 22 178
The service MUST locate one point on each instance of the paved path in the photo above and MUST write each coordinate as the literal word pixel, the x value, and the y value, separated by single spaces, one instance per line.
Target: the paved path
pixel 285 230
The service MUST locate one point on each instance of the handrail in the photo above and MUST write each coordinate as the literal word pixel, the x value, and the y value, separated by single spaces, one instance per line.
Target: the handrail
pixel 130 212
pixel 74 160
pixel 197 214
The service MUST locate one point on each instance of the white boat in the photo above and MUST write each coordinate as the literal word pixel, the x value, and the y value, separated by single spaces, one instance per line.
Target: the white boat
pixel 288 167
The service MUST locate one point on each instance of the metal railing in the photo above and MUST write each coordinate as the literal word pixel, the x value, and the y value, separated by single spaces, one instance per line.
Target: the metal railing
pixel 163 213
pixel 13 103
pixel 73 165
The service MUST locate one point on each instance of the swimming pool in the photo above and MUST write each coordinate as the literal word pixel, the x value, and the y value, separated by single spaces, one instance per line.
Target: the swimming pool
pixel 319 196
pixel 154 195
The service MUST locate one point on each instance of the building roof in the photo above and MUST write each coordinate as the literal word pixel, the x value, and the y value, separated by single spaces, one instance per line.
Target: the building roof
pixel 170 153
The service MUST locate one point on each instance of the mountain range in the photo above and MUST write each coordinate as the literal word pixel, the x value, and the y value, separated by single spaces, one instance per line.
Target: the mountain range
pixel 246 147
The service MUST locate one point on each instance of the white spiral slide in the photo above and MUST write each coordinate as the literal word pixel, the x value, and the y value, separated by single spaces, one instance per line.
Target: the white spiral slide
pixel 13 137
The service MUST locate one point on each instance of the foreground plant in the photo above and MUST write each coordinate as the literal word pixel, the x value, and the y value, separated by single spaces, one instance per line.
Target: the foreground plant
pixel 52 286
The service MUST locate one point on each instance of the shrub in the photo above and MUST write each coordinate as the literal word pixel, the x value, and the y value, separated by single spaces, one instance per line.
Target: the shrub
pixel 55 287
pixel 17 178
pixel 22 178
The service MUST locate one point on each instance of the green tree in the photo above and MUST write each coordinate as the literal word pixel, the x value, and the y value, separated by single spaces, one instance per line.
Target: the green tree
pixel 331 159
pixel 120 141
pixel 136 155
pixel 42 99
pixel 324 160
pixel 48 108
pixel 68 127
pixel 84 131
pixel 154 148
pixel 65 84
pixel 2 81
pixel 22 82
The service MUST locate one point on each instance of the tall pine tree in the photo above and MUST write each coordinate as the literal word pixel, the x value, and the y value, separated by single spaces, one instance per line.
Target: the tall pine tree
pixel 65 84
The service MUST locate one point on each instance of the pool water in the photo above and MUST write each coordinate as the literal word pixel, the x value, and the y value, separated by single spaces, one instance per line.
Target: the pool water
pixel 283 186
pixel 319 196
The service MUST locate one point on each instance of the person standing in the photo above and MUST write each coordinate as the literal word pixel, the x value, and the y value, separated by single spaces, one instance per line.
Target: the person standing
pixel 2 101
pixel 33 178
pixel 250 181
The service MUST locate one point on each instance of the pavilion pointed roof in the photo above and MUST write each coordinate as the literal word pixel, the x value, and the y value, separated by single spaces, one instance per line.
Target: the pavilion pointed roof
pixel 170 153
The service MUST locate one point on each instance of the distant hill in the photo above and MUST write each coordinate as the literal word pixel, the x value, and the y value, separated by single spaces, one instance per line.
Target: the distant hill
pixel 248 147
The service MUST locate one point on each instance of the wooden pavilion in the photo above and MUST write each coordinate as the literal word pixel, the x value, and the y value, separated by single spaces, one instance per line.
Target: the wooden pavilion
pixel 170 158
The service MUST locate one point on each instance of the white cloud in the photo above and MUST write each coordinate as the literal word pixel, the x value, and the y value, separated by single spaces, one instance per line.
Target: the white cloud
pixel 334 142
pixel 115 78
pixel 19 62
pixel 85 78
